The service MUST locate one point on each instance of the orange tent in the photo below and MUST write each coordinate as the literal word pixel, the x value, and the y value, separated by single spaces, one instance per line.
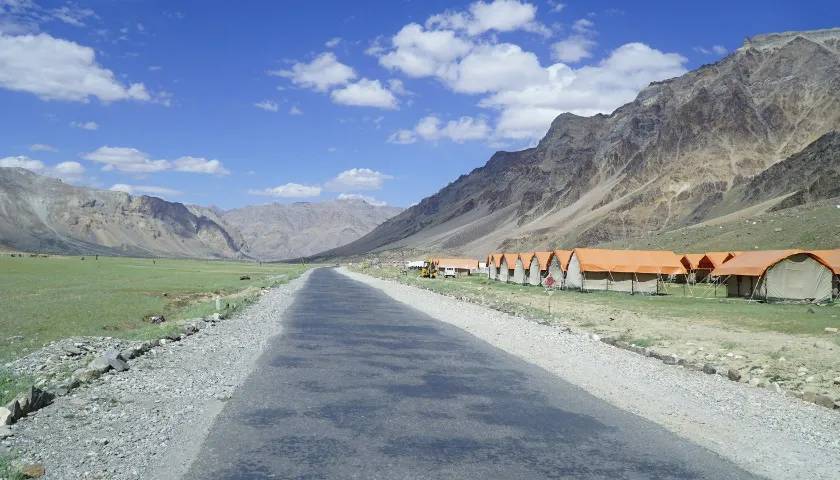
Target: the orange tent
pixel 526 258
pixel 563 257
pixel 544 258
pixel 691 260
pixel 459 263
pixel 712 260
pixel 755 263
pixel 510 259
pixel 629 261
pixel 829 258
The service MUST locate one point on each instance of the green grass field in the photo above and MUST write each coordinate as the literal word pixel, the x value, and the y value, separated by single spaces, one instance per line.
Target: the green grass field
pixel 700 303
pixel 44 299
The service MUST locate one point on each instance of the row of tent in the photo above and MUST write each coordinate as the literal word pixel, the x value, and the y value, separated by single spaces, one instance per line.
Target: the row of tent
pixel 761 274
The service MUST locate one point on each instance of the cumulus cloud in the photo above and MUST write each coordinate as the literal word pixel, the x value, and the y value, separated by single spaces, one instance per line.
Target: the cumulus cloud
pixel 145 189
pixel 418 52
pixel 267 105
pixel 357 179
pixel 333 42
pixel 431 128
pixel 67 171
pixel 577 46
pixel 56 69
pixel 365 93
pixel 42 147
pixel 365 198
pixel 322 73
pixel 132 160
pixel 85 125
pixel 498 15
pixel 199 165
pixel 289 190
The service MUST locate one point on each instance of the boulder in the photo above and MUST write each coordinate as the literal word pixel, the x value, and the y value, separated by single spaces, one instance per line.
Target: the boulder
pixel 133 351
pixel 709 368
pixel 734 375
pixel 38 399
pixel 16 411
pixel 157 319
pixel 99 364
pixel 6 416
pixel 190 329
pixel 115 360
pixel 35 470
pixel 824 400
pixel 669 359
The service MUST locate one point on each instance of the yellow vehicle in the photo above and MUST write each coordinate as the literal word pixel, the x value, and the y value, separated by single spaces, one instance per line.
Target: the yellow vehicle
pixel 429 270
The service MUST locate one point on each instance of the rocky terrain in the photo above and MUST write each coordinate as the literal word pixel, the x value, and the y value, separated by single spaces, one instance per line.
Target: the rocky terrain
pixel 283 231
pixel 666 160
pixel 43 214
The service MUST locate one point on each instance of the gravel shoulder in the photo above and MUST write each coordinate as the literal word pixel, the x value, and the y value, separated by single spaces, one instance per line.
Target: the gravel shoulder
pixel 765 432
pixel 149 422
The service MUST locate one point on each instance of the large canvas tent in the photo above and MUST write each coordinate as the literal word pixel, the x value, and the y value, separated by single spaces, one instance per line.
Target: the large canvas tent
pixel 523 264
pixel 541 262
pixel 777 275
pixel 493 262
pixel 633 271
pixel 557 265
pixel 832 259
pixel 506 266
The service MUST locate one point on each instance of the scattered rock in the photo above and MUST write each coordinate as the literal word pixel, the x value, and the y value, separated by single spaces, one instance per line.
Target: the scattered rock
pixel 157 319
pixel 131 352
pixel 190 329
pixel 245 277
pixel 100 364
pixel 824 400
pixel 115 360
pixel 6 416
pixel 734 375
pixel 6 432
pixel 16 412
pixel 709 369
pixel 831 330
pixel 35 470
pixel 669 359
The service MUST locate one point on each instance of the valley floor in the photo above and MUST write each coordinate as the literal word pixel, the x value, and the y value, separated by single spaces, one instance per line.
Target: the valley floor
pixel 767 433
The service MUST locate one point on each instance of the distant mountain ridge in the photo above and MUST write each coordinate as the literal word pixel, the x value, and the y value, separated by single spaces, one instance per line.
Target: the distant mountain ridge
pixel 674 156
pixel 44 214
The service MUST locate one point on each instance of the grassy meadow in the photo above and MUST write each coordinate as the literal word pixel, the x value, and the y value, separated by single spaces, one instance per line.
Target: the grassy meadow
pixel 683 304
pixel 48 298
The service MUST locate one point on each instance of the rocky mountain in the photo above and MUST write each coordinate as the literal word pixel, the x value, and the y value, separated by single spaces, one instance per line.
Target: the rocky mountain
pixel 668 159
pixel 283 231
pixel 44 214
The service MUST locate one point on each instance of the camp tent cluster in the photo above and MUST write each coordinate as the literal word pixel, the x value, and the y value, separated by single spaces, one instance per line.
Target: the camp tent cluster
pixel 764 275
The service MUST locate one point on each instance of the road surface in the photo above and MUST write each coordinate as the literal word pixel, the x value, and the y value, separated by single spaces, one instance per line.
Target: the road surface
pixel 361 386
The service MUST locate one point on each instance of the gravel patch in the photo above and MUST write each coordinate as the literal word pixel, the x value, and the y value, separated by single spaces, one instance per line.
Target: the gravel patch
pixel 765 432
pixel 149 422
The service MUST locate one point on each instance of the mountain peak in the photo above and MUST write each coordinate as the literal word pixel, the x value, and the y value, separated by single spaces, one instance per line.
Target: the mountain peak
pixel 769 41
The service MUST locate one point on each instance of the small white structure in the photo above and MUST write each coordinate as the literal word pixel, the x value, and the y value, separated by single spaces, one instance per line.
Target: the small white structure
pixel 415 264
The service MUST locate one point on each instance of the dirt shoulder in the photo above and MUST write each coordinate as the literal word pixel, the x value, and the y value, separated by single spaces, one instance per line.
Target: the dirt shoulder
pixel 766 432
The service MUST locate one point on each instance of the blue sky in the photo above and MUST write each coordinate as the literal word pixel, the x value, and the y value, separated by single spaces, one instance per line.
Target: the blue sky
pixel 253 102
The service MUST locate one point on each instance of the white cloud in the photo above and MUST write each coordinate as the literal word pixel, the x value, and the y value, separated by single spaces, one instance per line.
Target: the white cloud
pixel 713 50
pixel 365 93
pixel 85 125
pixel 73 14
pixel 267 105
pixel 289 190
pixel 295 110
pixel 365 198
pixel 333 42
pixel 498 15
pixel 420 53
pixel 490 68
pixel 577 46
pixel 132 160
pixel 68 171
pixel 322 73
pixel 125 159
pixel 431 128
pixel 573 49
pixel 22 161
pixel 145 189
pixel 357 179
pixel 42 147
pixel 199 165
pixel 56 69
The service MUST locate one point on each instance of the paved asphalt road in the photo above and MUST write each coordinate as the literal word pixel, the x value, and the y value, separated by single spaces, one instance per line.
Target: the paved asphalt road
pixel 361 386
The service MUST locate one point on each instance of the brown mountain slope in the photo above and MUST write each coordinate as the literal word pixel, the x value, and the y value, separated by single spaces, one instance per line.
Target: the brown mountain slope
pixel 283 231
pixel 43 214
pixel 661 162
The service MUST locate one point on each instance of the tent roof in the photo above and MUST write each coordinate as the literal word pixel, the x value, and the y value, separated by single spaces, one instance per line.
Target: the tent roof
pixel 464 263
pixel 526 258
pixel 629 261
pixel 831 258
pixel 718 258
pixel 543 258
pixel 754 263
pixel 691 260
pixel 510 260
pixel 563 257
